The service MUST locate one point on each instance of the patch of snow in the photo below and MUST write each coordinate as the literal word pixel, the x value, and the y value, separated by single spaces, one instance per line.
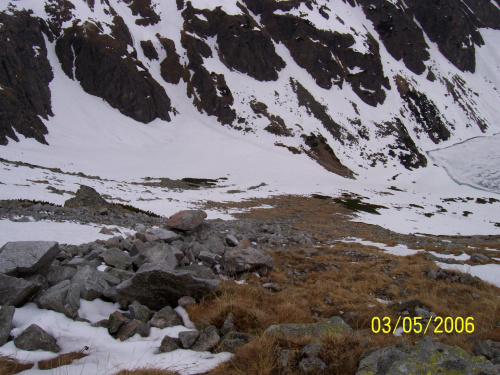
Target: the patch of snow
pixel 106 355
pixel 487 272
pixel 45 230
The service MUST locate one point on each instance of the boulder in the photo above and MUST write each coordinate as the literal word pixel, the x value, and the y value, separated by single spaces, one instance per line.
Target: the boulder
pixel 233 340
pixel 6 315
pixel 139 312
pixel 86 197
pixel 186 220
pixel 117 258
pixel 188 338
pixel 60 273
pixel 199 270
pixel 35 338
pixel 231 240
pixel 169 344
pixel 426 357
pixel 156 286
pixel 166 317
pixel 16 292
pixel 129 329
pixel 208 340
pixel 165 235
pixel 115 322
pixel 487 348
pixel 312 366
pixel 24 258
pixel 209 258
pixel 332 326
pixel 479 258
pixel 92 283
pixel 237 260
pixel 158 254
pixel 63 297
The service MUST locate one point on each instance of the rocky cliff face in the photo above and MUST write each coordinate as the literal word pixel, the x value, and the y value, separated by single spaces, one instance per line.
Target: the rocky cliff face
pixel 363 77
pixel 25 74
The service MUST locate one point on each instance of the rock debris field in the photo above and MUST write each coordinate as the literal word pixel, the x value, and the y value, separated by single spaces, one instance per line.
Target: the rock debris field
pixel 147 280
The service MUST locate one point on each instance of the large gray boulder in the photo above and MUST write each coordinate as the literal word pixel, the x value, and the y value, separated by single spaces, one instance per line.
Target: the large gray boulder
pixel 63 297
pixel 35 338
pixel 208 339
pixel 60 273
pixel 117 258
pixel 16 292
pixel 6 315
pixel 426 357
pixel 86 197
pixel 93 283
pixel 186 220
pixel 25 258
pixel 332 326
pixel 165 235
pixel 236 260
pixel 158 254
pixel 156 286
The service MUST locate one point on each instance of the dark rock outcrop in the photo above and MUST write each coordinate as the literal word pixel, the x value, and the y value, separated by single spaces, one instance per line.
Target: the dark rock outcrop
pixel 402 37
pixel 171 69
pixel 105 68
pixel 209 91
pixel 145 9
pixel 242 44
pixel 157 286
pixel 87 196
pixel 452 26
pixel 149 49
pixel 25 73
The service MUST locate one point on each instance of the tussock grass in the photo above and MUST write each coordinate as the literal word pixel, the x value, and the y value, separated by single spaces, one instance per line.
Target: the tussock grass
pixel 146 371
pixel 9 366
pixel 61 360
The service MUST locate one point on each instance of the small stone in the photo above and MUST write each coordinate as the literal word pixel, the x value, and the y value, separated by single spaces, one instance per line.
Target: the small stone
pixel 228 325
pixel 188 338
pixel 139 312
pixel 312 366
pixel 169 344
pixel 131 328
pixel 166 317
pixel 284 358
pixel 115 322
pixel 479 258
pixel 275 287
pixel 186 301
pixel 35 338
pixel 312 349
pixel 231 240
pixel 208 339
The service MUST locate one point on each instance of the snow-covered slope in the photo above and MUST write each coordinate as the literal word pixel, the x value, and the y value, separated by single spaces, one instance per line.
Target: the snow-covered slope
pixel 305 96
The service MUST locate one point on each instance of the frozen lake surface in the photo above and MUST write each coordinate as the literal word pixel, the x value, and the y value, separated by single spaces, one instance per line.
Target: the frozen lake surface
pixel 475 162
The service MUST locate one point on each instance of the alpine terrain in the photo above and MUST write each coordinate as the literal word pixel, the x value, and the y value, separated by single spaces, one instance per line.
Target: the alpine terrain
pixel 250 186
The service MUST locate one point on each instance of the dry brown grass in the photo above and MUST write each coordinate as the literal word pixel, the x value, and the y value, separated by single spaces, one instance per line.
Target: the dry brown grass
pixel 10 366
pixel 146 371
pixel 61 360
pixel 343 280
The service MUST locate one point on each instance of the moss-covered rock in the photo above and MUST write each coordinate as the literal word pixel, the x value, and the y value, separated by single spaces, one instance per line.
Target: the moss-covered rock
pixel 426 357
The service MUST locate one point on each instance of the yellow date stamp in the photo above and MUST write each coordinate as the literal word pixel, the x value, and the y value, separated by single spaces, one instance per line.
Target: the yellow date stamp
pixel 419 325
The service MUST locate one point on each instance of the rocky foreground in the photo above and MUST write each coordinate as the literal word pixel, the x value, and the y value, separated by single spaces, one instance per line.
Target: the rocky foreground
pixel 170 265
